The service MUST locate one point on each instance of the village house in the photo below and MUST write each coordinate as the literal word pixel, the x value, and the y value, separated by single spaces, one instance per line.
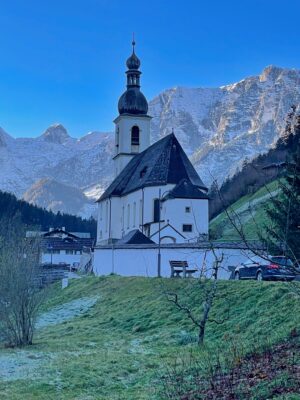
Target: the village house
pixel 59 247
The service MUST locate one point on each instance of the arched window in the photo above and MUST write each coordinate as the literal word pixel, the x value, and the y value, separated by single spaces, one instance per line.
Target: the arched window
pixel 156 210
pixel 134 214
pixel 135 136
pixel 128 216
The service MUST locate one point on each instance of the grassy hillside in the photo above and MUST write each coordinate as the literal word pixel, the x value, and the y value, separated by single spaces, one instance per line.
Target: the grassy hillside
pixel 250 210
pixel 120 348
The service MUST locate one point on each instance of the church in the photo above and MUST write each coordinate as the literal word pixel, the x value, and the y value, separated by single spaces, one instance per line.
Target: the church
pixel 156 196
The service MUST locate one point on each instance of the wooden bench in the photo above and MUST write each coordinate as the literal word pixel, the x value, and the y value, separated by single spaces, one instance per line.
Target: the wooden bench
pixel 178 267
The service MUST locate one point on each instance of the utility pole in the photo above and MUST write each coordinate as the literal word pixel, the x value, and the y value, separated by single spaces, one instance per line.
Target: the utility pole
pixel 159 253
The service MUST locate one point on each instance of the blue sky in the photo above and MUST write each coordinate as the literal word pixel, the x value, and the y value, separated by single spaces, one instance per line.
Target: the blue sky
pixel 64 61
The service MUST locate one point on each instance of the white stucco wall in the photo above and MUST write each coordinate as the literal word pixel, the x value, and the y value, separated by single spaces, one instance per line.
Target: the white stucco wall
pixel 124 124
pixel 174 211
pixel 61 258
pixel 127 212
pixel 119 215
pixel 143 261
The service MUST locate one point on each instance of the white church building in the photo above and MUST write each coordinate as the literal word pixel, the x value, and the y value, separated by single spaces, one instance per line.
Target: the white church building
pixel 156 188
pixel 157 205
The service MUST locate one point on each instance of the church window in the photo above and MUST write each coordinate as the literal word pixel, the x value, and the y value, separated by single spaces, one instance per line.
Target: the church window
pixel 187 228
pixel 156 210
pixel 123 218
pixel 143 172
pixel 134 213
pixel 106 217
pixel 187 209
pixel 135 136
pixel 101 211
pixel 128 216
pixel 117 136
pixel 141 212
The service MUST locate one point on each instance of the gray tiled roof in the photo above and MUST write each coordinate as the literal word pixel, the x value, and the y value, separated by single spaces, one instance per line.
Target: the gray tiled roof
pixel 160 164
pixel 57 243
pixel 186 190
pixel 135 237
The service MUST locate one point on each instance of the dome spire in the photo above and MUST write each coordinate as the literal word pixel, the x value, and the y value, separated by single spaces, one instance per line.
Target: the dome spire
pixel 133 63
pixel 133 42
pixel 133 101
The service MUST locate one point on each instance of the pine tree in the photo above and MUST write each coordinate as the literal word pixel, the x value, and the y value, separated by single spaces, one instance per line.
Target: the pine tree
pixel 282 235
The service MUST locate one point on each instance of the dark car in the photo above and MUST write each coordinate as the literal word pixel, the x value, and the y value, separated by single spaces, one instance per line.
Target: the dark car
pixel 272 268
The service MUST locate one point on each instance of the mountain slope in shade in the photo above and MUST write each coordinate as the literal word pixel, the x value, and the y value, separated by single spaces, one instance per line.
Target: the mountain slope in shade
pixel 218 128
pixel 4 138
pixel 55 196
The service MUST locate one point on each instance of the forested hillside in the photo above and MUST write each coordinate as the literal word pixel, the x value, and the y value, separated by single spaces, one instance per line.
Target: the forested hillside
pixel 13 209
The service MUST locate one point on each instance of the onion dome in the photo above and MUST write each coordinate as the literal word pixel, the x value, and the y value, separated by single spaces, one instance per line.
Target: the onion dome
pixel 132 100
pixel 133 61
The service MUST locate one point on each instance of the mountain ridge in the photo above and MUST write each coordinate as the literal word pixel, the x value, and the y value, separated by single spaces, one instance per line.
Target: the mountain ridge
pixel 218 128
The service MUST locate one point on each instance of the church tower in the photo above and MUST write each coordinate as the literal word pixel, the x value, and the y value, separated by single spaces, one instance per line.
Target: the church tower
pixel 132 126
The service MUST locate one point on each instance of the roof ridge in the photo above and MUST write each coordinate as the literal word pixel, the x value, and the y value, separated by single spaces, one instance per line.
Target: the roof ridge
pixel 161 163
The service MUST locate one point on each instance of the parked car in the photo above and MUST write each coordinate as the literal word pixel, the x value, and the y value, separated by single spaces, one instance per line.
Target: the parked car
pixel 272 268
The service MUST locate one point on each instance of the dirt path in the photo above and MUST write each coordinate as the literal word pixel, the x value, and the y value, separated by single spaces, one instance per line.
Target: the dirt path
pixel 66 312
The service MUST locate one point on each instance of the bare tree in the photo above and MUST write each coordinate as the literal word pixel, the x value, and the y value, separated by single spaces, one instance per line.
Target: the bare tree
pixel 20 295
pixel 207 289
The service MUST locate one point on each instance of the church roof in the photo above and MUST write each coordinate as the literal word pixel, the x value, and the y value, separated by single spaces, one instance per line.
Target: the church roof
pixel 165 162
pixel 186 190
pixel 135 237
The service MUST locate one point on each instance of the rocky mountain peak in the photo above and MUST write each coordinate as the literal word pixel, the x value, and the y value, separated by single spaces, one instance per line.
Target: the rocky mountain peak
pixel 56 133
pixel 4 138
pixel 271 72
pixel 218 128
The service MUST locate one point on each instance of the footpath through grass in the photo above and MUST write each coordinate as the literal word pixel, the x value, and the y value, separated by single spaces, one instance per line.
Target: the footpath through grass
pixel 250 210
pixel 121 346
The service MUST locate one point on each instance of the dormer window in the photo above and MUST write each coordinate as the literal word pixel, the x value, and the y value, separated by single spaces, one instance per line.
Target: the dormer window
pixel 143 172
pixel 135 136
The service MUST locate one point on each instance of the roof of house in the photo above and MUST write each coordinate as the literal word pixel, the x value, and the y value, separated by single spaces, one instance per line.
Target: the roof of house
pixel 186 190
pixel 59 231
pixel 68 243
pixel 135 237
pixel 165 162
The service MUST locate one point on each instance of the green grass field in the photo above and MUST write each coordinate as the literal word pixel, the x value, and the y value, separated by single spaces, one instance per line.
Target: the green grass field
pixel 121 347
pixel 250 211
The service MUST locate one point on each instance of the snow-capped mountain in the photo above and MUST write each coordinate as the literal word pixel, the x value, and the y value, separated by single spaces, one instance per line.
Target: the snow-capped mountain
pixel 218 128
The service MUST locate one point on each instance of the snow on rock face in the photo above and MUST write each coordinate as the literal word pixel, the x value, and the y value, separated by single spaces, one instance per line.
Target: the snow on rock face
pixel 220 127
pixel 56 133
pixel 217 127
